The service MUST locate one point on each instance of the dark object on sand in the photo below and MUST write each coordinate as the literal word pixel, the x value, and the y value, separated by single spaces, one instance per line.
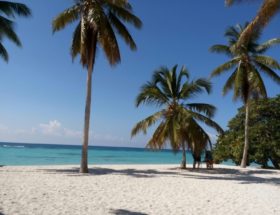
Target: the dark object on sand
pixel 196 160
pixel 209 160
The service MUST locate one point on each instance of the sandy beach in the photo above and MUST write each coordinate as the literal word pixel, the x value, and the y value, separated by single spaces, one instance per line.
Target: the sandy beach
pixel 138 190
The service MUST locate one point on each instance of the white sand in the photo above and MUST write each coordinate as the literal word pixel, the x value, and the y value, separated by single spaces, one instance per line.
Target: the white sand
pixel 138 190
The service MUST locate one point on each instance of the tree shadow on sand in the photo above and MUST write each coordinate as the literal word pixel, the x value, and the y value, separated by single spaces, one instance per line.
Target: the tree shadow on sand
pixel 125 212
pixel 246 176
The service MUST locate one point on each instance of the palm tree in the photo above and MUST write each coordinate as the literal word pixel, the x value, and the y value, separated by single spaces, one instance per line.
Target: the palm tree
pixel 246 64
pixel 98 23
pixel 8 11
pixel 178 121
pixel 267 11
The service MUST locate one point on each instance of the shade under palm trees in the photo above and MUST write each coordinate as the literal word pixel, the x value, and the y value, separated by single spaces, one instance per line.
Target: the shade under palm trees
pixel 246 65
pixel 267 11
pixel 98 23
pixel 8 11
pixel 178 122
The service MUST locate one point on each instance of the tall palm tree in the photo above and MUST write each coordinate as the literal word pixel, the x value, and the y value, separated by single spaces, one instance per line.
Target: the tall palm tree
pixel 267 11
pixel 98 23
pixel 8 11
pixel 178 121
pixel 246 65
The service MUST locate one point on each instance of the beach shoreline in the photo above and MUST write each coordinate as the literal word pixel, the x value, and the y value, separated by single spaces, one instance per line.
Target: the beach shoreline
pixel 138 190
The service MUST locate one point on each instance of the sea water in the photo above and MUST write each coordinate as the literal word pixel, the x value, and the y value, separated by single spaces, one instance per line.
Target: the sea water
pixel 50 154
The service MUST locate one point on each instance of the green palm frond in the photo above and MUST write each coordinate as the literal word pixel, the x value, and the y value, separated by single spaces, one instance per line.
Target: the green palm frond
pixel 267 45
pixel 267 11
pixel 208 122
pixel 174 126
pixel 268 61
pixel 107 39
pixel 221 49
pixel 7 29
pixel 68 16
pixel 125 14
pixel 76 43
pixel 183 73
pixel 196 137
pixel 11 9
pixel 258 87
pixel 204 84
pixel 144 124
pixel 269 72
pixel 3 53
pixel 229 85
pixel 226 66
pixel 231 2
pixel 195 87
pixel 241 84
pixel 173 81
pixel 207 109
pixel 151 94
pixel 159 138
pixel 122 31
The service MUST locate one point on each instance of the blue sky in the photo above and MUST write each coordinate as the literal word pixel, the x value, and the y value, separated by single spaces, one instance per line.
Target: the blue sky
pixel 42 92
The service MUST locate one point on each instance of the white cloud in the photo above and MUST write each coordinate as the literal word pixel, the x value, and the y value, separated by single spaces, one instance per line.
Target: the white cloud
pixel 54 131
pixel 72 133
pixel 52 128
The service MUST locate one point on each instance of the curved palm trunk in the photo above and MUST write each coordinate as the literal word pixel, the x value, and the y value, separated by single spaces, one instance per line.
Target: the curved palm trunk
pixel 183 163
pixel 246 143
pixel 91 58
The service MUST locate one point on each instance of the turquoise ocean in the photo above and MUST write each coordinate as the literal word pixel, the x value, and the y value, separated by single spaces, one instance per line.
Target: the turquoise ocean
pixel 50 154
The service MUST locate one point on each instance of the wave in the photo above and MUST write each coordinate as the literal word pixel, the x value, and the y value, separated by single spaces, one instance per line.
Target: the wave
pixel 9 146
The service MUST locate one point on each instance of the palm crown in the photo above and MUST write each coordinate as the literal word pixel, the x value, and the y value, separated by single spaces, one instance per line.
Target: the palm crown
pixel 178 120
pixel 8 11
pixel 247 63
pixel 98 20
pixel 267 11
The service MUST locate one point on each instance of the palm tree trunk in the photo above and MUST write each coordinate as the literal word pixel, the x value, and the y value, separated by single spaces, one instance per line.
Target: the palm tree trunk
pixel 84 161
pixel 90 64
pixel 183 163
pixel 246 143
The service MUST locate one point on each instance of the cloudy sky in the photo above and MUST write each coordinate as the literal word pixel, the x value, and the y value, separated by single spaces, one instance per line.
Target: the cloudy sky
pixel 42 92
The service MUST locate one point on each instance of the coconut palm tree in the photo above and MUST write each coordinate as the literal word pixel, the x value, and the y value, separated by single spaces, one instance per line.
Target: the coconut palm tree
pixel 98 22
pixel 8 11
pixel 267 11
pixel 246 65
pixel 178 122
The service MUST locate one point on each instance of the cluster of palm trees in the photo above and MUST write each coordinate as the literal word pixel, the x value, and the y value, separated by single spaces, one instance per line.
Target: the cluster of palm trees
pixel 179 121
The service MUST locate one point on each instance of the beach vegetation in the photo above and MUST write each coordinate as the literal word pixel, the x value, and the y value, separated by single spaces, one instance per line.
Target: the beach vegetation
pixel 264 138
pixel 246 66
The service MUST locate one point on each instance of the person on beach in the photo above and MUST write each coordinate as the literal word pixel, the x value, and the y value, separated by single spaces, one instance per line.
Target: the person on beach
pixel 208 159
pixel 196 160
